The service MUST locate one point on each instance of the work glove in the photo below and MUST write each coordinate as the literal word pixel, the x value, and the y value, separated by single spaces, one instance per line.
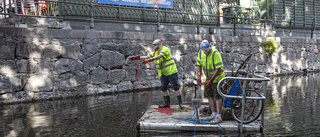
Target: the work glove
pixel 134 57
pixel 209 83
pixel 147 60
pixel 199 77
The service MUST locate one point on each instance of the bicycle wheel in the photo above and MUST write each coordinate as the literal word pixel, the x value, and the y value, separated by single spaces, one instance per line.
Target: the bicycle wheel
pixel 229 84
pixel 252 108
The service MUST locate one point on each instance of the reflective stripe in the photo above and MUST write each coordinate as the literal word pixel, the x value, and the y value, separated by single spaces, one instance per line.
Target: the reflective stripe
pixel 154 53
pixel 164 53
pixel 218 64
pixel 166 66
pixel 199 61
pixel 222 70
pixel 164 61
pixel 214 66
pixel 150 55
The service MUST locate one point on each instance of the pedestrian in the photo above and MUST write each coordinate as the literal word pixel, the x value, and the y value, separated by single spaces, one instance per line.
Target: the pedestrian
pixel 167 70
pixel 210 60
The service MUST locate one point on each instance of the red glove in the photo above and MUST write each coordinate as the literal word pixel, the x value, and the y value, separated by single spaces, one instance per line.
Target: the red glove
pixel 147 60
pixel 199 77
pixel 134 57
pixel 209 83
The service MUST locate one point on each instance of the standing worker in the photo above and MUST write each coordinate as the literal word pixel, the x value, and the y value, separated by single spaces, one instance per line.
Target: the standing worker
pixel 210 60
pixel 167 70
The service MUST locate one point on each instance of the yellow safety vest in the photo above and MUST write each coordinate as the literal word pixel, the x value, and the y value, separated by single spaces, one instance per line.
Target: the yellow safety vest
pixel 210 63
pixel 165 65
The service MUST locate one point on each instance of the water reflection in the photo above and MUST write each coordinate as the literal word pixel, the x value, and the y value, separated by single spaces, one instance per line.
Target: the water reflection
pixel 294 111
pixel 291 111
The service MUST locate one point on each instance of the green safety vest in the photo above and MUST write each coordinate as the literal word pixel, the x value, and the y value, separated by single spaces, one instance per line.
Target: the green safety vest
pixel 165 65
pixel 210 63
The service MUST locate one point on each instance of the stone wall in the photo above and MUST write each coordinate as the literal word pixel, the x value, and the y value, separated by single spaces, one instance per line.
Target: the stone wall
pixel 40 64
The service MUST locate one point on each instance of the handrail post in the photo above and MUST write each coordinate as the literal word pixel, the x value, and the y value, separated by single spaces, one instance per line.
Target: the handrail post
pixel 198 26
pixel 264 24
pixel 243 103
pixel 234 25
pixel 91 15
pixel 10 13
pixel 264 102
pixel 290 28
pixel 312 27
pixel 158 20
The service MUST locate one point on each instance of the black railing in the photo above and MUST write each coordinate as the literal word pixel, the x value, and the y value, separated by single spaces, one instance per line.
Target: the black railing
pixel 92 5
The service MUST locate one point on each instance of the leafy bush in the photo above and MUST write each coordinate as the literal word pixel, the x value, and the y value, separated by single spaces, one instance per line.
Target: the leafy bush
pixel 270 46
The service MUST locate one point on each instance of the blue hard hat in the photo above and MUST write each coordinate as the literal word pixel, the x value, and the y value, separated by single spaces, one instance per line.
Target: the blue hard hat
pixel 205 45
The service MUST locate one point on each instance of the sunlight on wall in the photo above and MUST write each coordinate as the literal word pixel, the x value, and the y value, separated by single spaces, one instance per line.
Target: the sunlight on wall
pixel 182 41
pixel 7 71
pixel 137 28
pixel 73 82
pixel 13 133
pixel 126 26
pixel 36 82
pixel 177 58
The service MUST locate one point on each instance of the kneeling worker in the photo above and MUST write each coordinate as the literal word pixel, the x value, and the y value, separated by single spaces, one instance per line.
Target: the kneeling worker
pixel 167 70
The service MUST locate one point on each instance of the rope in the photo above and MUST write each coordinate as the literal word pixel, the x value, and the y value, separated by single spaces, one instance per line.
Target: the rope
pixel 162 110
pixel 196 120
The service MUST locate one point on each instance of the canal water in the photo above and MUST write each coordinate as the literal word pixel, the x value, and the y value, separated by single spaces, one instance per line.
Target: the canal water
pixel 292 110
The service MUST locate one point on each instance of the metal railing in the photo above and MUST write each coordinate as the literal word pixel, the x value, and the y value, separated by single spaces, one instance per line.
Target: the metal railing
pixel 243 97
pixel 91 18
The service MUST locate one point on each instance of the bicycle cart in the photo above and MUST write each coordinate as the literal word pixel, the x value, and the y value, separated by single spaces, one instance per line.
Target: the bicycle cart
pixel 246 105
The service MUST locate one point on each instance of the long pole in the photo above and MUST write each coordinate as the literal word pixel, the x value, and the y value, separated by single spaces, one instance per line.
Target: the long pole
pixel 91 15
pixel 158 20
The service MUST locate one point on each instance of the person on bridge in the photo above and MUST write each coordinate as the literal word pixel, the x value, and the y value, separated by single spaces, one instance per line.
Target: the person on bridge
pixel 210 60
pixel 167 70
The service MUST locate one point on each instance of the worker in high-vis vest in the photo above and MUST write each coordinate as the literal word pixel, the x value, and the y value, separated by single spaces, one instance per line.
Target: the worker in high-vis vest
pixel 167 70
pixel 209 59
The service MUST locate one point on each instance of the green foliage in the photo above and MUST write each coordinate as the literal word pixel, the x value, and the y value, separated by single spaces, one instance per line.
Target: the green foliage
pixel 270 46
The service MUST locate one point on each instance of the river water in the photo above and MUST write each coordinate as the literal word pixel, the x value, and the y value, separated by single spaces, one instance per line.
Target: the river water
pixel 292 110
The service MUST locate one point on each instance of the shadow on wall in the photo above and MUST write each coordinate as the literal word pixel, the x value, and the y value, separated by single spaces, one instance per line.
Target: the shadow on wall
pixel 34 65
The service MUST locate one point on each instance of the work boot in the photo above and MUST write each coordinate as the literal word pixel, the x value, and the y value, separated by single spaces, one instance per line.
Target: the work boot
pixel 166 102
pixel 180 102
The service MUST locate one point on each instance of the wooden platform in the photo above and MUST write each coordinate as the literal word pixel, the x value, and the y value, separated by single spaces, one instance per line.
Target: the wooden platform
pixel 155 121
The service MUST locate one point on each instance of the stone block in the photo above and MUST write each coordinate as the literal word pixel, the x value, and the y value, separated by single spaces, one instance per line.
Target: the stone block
pixel 125 86
pixel 98 76
pixel 67 65
pixel 116 76
pixel 27 66
pixel 91 62
pixel 28 50
pixel 111 59
pixel 7 50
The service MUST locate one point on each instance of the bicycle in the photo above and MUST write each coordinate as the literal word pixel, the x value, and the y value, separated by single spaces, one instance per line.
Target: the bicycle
pixel 236 11
pixel 252 108
pixel 251 15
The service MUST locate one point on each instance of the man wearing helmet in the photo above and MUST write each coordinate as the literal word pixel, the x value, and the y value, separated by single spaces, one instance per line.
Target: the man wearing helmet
pixel 210 60
pixel 167 70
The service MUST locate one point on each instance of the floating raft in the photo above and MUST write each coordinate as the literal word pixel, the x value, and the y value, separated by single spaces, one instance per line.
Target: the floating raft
pixel 155 121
